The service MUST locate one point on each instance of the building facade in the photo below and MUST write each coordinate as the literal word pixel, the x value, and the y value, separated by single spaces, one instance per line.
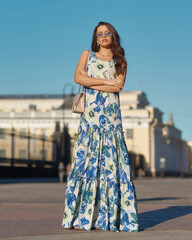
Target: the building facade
pixel 157 146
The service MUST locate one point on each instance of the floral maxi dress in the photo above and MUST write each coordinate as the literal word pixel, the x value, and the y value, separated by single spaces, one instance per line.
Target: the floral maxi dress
pixel 100 192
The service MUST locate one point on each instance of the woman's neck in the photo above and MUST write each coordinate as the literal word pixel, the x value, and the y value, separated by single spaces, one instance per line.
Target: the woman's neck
pixel 105 52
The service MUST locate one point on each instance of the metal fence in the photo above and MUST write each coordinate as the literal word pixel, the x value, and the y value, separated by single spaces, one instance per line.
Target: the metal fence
pixel 21 152
pixel 39 155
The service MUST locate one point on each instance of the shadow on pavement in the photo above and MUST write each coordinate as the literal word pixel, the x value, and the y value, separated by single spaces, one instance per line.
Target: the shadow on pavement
pixel 151 218
pixel 158 199
pixel 28 180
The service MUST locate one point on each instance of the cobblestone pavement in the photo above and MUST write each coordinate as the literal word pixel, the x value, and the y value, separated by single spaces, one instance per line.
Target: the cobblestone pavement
pixel 34 211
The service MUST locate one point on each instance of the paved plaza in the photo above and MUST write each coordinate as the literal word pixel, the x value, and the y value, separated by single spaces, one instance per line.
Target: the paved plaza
pixel 33 210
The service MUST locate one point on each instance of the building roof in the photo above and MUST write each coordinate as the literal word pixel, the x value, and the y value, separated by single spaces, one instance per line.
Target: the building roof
pixel 33 96
pixel 50 96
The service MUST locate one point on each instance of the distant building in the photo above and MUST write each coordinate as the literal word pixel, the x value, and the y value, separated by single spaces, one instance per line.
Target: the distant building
pixel 154 145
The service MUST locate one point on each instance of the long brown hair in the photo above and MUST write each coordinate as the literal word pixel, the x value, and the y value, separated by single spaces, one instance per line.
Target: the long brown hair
pixel 117 50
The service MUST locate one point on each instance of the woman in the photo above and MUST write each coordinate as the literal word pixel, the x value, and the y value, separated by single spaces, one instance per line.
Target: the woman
pixel 100 193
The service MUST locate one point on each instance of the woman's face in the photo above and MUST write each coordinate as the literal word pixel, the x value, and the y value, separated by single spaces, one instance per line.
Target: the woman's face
pixel 104 41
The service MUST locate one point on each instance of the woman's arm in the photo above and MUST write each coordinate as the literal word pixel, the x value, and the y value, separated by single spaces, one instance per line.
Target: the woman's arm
pixel 81 77
pixel 115 85
pixel 84 79
pixel 106 88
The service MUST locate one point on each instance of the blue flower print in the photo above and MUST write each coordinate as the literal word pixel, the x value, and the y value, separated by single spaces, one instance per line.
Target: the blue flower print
pixel 71 198
pixel 81 154
pixel 90 172
pixel 107 172
pixel 72 188
pixel 125 158
pixel 114 150
pixel 100 66
pixel 102 161
pixel 91 114
pixel 111 109
pixel 81 137
pixel 102 120
pixel 119 127
pixel 102 221
pixel 100 100
pixel 83 208
pixel 83 119
pixel 125 219
pixel 104 224
pixel 84 221
pixel 118 116
pixel 97 109
pixel 134 216
pixel 102 210
pixel 111 127
pixel 130 197
pixel 80 165
pixel 123 176
pixel 87 197
pixel 90 91
pixel 93 160
pixel 115 189
pixel 106 151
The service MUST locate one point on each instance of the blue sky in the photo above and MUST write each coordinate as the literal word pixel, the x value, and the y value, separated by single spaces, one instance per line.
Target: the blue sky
pixel 41 42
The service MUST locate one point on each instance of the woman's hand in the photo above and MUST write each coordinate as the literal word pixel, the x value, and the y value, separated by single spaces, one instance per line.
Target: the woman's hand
pixel 115 82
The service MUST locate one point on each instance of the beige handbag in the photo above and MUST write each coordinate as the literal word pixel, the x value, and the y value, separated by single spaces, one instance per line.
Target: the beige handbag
pixel 79 99
pixel 79 102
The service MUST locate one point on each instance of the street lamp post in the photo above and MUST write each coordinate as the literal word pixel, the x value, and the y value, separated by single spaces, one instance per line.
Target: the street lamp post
pixel 12 144
pixel 28 146
pixel 64 139
pixel 64 88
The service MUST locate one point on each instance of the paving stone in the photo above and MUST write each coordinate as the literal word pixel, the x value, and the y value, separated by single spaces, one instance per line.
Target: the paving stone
pixel 35 210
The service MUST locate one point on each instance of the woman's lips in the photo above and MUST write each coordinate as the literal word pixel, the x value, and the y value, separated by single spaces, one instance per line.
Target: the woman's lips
pixel 104 40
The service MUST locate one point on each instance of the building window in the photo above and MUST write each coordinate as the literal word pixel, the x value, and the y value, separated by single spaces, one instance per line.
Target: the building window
pixel 23 133
pixel 129 133
pixel 43 152
pixel 22 154
pixel 2 153
pixel 32 107
pixel 2 133
pixel 43 133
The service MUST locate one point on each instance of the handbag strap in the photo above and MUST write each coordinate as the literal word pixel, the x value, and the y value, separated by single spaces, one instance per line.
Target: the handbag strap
pixel 80 88
pixel 86 65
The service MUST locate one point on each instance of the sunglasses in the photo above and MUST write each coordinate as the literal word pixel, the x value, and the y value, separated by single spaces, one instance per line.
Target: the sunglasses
pixel 106 34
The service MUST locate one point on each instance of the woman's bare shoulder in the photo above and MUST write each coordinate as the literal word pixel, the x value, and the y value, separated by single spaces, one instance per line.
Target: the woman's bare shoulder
pixel 85 52
pixel 83 59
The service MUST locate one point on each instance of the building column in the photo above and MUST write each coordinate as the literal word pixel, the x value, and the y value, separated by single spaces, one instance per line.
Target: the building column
pixel 152 143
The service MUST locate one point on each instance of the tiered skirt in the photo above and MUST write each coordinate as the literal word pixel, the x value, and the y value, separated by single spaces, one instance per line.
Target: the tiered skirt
pixel 100 192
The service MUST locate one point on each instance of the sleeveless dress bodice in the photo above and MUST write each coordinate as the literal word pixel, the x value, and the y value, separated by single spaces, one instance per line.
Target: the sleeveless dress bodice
pixel 102 109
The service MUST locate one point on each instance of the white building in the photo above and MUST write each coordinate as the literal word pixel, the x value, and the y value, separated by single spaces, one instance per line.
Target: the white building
pixel 146 135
